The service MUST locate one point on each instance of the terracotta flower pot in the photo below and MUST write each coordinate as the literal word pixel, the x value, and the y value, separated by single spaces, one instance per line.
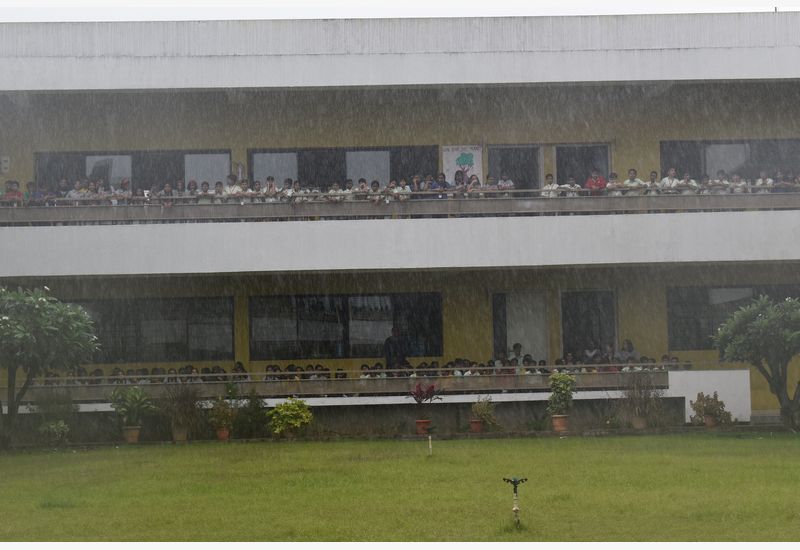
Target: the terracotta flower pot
pixel 180 435
pixel 131 433
pixel 560 423
pixel 638 422
pixel 223 434
pixel 423 426
pixel 476 426
pixel 710 421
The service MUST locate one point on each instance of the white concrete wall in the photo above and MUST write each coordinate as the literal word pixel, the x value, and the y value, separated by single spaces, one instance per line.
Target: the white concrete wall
pixel 733 387
pixel 399 244
pixel 364 52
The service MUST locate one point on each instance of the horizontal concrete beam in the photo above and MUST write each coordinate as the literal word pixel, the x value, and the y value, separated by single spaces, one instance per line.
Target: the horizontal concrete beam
pixel 399 244
pixel 363 52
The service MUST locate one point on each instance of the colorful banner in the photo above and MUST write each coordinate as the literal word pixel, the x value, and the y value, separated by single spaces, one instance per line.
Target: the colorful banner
pixel 467 158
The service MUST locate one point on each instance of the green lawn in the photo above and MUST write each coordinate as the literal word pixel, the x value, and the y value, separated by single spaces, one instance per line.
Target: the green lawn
pixel 671 487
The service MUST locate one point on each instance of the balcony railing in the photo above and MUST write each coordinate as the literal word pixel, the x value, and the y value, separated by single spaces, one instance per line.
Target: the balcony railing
pixel 416 205
pixel 98 389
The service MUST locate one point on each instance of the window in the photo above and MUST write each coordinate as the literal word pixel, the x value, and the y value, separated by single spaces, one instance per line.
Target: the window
pixel 151 330
pixel 520 317
pixel 577 161
pixel 144 168
pixel 210 167
pixel 370 165
pixel 327 327
pixel 318 168
pixel 518 162
pixel 112 168
pixel 588 317
pixel 280 166
pixel 695 313
pixel 746 157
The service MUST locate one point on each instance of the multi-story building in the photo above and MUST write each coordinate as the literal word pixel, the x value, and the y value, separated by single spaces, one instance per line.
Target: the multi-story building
pixel 461 276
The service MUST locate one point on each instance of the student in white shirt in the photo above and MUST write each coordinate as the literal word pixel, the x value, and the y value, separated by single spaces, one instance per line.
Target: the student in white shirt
pixel 232 188
pixel 614 187
pixel 763 183
pixel 670 182
pixel 633 184
pixel 738 185
pixel 550 189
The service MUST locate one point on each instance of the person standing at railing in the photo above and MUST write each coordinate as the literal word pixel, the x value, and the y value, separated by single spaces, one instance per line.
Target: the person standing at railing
pixel 505 183
pixel 439 184
pixel 395 349
pixel 232 188
pixel 651 186
pixel 550 189
pixel 571 188
pixel 687 186
pixel 633 185
pixel 763 183
pixel 670 182
pixel 12 195
pixel 614 187
pixel 595 184
pixel 738 185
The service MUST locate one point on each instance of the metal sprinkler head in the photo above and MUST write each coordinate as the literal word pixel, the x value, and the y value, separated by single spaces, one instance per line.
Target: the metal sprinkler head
pixel 515 481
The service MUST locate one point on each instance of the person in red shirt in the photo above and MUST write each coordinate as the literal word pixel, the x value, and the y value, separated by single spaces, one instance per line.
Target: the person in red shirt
pixel 12 194
pixel 595 184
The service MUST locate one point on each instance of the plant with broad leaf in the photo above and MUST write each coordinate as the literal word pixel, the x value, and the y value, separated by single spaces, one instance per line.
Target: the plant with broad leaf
pixel 562 386
pixel 423 393
pixel 132 404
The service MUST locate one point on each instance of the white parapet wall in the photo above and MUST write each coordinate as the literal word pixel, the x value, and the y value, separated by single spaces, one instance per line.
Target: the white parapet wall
pixel 401 244
pixel 733 387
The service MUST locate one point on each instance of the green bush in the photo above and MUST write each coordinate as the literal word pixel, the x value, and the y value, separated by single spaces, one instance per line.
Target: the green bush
pixel 709 405
pixel 54 432
pixel 132 404
pixel 562 386
pixel 251 419
pixel 221 414
pixel 290 416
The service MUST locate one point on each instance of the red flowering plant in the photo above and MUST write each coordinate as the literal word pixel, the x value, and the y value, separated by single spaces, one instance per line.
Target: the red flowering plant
pixel 424 395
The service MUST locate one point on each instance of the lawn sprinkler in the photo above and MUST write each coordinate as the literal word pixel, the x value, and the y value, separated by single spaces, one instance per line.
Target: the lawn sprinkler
pixel 515 481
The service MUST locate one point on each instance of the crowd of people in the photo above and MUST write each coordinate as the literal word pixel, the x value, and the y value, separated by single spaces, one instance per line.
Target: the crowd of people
pixel 514 364
pixel 98 192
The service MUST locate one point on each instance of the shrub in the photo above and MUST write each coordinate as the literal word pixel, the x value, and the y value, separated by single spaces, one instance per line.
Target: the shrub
pixel 180 404
pixel 562 386
pixel 132 404
pixel 54 432
pixel 251 419
pixel 483 410
pixel 221 414
pixel 290 416
pixel 709 405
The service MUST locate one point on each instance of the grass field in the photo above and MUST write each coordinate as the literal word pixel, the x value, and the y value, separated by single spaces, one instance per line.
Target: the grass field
pixel 672 487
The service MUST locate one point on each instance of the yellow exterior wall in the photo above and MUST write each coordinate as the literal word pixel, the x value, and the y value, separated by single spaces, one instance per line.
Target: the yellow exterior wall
pixel 633 119
pixel 467 303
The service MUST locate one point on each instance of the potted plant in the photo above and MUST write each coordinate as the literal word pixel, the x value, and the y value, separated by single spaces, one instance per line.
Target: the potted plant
pixel 709 410
pixel 221 418
pixel 179 403
pixel 562 386
pixel 641 399
pixel 289 417
pixel 132 405
pixel 482 414
pixel 424 395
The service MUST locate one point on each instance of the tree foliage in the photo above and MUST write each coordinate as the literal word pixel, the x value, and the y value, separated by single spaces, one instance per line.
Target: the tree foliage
pixel 39 333
pixel 766 334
